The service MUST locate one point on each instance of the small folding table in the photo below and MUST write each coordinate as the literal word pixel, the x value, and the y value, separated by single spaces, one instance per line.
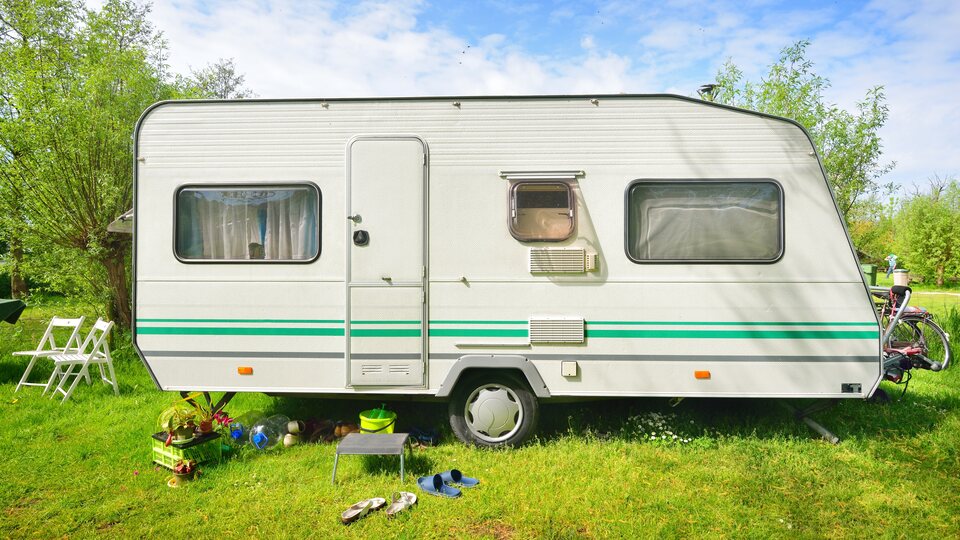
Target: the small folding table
pixel 371 444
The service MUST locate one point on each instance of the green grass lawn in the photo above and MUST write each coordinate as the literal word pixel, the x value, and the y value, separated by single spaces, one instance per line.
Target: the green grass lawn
pixel 608 469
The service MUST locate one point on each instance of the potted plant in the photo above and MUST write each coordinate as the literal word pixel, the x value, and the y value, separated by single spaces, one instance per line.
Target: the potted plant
pixel 179 421
pixel 184 471
pixel 204 418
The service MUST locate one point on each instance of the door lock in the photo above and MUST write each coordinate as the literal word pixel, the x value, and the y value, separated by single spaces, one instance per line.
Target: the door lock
pixel 355 218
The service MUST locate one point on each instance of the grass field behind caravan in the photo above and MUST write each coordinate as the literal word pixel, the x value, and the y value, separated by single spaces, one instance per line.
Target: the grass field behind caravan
pixel 603 469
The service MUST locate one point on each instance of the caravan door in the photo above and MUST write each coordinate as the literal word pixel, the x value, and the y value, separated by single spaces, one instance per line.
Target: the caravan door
pixel 386 261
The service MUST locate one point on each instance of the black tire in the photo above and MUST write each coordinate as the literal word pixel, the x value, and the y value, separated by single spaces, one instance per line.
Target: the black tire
pixel 493 409
pixel 924 333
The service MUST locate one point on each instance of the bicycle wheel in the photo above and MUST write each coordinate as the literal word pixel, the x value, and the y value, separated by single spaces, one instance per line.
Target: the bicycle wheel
pixel 922 332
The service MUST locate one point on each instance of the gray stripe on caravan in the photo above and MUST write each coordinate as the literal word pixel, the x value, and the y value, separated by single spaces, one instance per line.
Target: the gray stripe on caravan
pixel 680 358
pixel 375 356
pixel 455 356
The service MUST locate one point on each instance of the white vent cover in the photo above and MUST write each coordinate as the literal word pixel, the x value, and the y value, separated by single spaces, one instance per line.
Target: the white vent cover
pixel 399 369
pixel 371 369
pixel 391 372
pixel 558 260
pixel 556 329
pixel 367 369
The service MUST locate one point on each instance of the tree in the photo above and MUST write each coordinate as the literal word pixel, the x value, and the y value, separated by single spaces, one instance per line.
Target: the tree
pixel 849 142
pixel 73 83
pixel 219 80
pixel 871 227
pixel 928 231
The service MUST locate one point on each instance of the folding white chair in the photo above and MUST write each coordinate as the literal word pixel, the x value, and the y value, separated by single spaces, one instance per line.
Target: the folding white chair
pixel 94 350
pixel 48 346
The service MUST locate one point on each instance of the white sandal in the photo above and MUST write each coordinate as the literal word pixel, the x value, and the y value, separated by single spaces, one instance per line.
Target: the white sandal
pixel 361 509
pixel 401 501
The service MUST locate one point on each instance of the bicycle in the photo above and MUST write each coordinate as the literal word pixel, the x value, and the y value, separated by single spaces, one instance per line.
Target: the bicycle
pixel 911 338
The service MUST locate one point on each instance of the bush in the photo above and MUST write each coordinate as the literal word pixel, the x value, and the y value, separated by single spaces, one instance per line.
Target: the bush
pixel 950 322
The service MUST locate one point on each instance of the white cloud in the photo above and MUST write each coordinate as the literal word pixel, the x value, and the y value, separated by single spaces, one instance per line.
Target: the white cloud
pixel 290 48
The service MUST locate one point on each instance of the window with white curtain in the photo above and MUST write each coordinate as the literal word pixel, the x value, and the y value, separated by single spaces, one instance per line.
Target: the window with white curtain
pixel 704 221
pixel 248 223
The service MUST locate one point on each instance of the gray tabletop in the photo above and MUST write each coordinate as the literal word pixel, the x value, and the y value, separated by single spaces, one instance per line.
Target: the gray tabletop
pixel 373 444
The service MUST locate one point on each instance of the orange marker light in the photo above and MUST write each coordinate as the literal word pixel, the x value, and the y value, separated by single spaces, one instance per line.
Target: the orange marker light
pixel 245 370
pixel 701 374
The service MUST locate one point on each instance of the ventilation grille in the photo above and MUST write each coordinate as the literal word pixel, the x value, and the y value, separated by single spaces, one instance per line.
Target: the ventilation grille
pixel 557 260
pixel 371 369
pixel 377 369
pixel 556 330
pixel 380 372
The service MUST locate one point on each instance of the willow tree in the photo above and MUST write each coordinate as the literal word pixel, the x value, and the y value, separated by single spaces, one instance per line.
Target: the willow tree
pixel 848 141
pixel 74 81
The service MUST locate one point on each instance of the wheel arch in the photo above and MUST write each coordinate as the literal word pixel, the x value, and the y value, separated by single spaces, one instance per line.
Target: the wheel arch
pixel 477 362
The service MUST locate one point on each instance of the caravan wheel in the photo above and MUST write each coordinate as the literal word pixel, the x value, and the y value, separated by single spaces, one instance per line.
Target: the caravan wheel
pixel 493 409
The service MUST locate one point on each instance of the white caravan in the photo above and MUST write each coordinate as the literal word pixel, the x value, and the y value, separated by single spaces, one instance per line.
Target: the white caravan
pixel 493 251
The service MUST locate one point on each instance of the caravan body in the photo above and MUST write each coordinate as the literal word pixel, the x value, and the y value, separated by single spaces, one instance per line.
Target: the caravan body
pixel 491 250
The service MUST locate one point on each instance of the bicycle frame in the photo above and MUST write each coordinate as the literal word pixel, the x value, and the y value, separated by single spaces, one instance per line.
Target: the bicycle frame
pixel 897 314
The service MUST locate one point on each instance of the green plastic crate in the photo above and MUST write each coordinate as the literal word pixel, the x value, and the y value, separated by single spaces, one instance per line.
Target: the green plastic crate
pixel 202 449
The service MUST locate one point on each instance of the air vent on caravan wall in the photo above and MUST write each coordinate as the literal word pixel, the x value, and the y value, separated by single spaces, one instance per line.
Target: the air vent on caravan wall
pixel 561 261
pixel 556 330
pixel 386 372
pixel 371 369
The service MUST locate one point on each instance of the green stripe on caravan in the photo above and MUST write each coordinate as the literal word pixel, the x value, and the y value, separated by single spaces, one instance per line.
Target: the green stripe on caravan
pixel 480 323
pixel 237 331
pixel 268 331
pixel 245 321
pixel 622 333
pixel 735 334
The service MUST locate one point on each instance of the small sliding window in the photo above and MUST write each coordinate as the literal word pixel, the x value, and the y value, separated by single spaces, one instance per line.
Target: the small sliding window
pixel 542 211
pixel 248 223
pixel 704 221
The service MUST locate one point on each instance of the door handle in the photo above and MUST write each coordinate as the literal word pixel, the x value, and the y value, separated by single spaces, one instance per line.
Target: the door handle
pixel 361 237
pixel 388 279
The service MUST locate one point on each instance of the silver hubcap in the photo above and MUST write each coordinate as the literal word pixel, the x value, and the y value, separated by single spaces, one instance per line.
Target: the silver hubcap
pixel 493 413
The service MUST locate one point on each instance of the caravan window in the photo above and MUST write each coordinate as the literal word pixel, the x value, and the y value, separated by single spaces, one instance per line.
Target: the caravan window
pixel 542 211
pixel 704 221
pixel 248 223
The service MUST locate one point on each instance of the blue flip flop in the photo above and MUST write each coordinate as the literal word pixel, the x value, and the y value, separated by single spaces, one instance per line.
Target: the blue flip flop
pixel 456 477
pixel 434 485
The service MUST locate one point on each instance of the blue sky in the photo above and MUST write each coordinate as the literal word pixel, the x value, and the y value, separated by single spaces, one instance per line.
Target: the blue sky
pixel 289 48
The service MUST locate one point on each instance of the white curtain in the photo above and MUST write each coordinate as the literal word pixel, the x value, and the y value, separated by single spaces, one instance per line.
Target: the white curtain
pixel 237 224
pixel 716 221
pixel 291 228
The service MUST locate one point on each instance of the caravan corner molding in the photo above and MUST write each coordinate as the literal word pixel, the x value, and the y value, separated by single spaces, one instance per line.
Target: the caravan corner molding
pixel 493 251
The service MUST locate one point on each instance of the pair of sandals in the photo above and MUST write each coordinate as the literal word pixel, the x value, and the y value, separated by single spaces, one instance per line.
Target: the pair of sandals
pixel 442 484
pixel 401 501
